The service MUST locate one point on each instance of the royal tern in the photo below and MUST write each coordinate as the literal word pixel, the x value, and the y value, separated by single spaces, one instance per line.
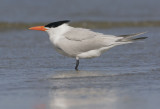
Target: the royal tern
pixel 82 43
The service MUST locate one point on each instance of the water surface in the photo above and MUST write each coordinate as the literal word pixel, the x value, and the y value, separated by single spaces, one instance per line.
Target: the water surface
pixel 34 76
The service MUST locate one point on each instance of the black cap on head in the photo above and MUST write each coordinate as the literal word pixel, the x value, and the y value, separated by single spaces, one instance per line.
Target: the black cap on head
pixel 56 24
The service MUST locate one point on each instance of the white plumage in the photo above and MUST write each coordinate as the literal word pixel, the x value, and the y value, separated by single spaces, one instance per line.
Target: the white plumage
pixel 82 43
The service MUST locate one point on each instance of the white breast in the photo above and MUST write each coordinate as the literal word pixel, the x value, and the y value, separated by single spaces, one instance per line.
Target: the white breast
pixel 56 34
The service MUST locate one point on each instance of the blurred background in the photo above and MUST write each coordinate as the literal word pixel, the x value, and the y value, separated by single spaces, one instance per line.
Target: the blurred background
pixel 34 76
pixel 78 10
pixel 144 12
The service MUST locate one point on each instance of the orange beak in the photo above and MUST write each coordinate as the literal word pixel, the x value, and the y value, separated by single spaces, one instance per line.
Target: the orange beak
pixel 40 28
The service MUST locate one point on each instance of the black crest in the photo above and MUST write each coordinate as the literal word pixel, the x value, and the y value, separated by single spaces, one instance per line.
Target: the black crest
pixel 56 24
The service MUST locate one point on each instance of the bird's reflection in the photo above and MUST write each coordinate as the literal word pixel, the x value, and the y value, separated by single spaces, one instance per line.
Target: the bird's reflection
pixel 89 90
pixel 83 97
pixel 74 90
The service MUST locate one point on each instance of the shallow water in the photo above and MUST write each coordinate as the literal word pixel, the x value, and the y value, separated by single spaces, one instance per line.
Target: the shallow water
pixel 34 76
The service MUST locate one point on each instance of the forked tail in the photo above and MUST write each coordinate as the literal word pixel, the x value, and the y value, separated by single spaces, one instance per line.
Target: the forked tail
pixel 130 37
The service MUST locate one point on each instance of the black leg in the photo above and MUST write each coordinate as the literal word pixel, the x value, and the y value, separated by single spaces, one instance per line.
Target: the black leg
pixel 77 63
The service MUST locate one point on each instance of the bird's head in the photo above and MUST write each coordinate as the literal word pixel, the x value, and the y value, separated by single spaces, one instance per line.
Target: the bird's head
pixel 49 26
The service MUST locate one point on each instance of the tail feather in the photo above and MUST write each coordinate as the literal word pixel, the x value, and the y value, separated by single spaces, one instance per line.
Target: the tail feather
pixel 139 38
pixel 131 35
pixel 129 38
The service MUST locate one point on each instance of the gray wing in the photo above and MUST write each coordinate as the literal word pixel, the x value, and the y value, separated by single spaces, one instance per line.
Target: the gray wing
pixel 73 47
pixel 79 34
pixel 79 40
pixel 131 35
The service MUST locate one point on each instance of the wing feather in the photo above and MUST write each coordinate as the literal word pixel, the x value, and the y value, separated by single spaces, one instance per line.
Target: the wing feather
pixel 80 34
pixel 79 40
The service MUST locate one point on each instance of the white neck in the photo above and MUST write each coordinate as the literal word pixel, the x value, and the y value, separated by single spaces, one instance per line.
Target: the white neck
pixel 57 33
